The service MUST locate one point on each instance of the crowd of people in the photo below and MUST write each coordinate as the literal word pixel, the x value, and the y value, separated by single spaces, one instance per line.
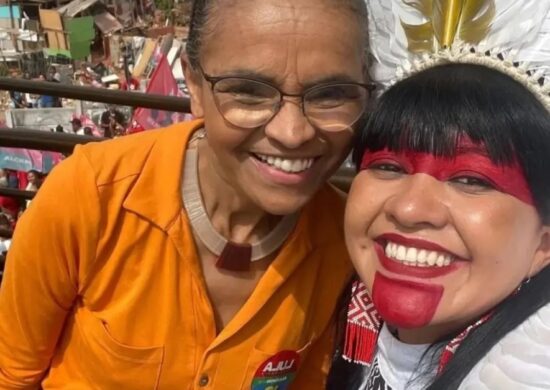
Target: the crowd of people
pixel 11 208
pixel 27 181
pixel 27 100
pixel 112 123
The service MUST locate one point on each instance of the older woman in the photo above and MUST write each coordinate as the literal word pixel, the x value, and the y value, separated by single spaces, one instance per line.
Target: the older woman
pixel 209 254
pixel 448 220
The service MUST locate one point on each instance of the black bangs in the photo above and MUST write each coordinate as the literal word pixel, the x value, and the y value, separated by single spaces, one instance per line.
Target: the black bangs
pixel 432 110
pixel 435 109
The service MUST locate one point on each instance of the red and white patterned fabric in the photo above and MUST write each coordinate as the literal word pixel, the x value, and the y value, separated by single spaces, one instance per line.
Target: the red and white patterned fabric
pixel 364 324
pixel 453 345
pixel 362 328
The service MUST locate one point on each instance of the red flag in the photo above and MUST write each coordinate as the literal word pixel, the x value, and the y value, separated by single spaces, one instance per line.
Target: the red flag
pixel 162 83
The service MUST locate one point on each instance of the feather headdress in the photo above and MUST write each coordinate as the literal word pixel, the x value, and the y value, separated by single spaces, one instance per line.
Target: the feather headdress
pixel 511 36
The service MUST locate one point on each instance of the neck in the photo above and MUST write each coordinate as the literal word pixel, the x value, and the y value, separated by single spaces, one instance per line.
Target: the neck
pixel 429 334
pixel 230 211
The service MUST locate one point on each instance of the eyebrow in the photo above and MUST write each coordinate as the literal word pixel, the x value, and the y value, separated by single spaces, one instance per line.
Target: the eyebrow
pixel 249 74
pixel 271 79
pixel 331 79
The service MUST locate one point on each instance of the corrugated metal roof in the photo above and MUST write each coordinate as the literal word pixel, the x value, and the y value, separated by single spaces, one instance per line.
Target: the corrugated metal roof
pixel 75 7
pixel 107 23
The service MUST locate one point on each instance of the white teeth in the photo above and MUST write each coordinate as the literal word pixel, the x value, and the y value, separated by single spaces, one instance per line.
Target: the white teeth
pixel 287 165
pixel 411 255
pixel 401 253
pixel 432 258
pixel 415 257
pixel 393 249
pixel 422 256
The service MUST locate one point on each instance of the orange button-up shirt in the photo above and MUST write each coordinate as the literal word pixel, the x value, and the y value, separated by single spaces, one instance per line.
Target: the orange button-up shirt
pixel 103 287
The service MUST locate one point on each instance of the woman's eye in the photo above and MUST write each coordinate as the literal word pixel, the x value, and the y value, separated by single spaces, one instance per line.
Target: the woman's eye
pixel 387 167
pixel 249 99
pixel 473 182
pixel 386 170
pixel 245 91
pixel 248 96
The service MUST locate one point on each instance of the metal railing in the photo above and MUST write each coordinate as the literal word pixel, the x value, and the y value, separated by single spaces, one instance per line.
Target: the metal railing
pixel 43 140
pixel 39 140
pixel 93 94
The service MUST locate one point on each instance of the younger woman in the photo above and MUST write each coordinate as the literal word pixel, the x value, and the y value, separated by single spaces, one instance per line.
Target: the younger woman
pixel 448 227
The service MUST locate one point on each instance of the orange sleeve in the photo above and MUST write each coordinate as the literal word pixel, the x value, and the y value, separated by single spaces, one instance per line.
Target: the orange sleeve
pixel 314 369
pixel 53 241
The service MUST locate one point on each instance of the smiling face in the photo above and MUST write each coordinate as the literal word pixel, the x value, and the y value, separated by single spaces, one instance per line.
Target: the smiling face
pixel 32 178
pixel 293 45
pixel 440 241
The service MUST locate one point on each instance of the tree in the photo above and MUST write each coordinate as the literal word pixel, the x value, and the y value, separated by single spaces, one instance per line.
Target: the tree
pixel 165 5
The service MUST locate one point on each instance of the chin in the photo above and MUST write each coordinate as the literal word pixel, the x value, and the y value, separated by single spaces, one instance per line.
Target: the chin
pixel 282 205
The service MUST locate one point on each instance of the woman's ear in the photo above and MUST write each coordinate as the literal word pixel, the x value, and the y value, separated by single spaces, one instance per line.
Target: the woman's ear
pixel 193 79
pixel 542 254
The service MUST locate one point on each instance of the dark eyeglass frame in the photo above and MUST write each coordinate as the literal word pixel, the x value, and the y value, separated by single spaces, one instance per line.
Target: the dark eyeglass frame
pixel 213 80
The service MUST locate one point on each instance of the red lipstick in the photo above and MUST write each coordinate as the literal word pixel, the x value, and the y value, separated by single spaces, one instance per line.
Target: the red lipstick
pixel 405 304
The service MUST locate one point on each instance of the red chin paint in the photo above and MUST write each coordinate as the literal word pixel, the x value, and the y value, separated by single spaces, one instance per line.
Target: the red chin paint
pixel 405 304
pixel 470 160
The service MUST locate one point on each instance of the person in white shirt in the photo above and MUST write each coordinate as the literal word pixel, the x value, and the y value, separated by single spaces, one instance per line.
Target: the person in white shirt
pixel 77 126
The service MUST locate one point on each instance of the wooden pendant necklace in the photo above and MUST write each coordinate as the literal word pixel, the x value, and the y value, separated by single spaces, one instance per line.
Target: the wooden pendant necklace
pixel 231 256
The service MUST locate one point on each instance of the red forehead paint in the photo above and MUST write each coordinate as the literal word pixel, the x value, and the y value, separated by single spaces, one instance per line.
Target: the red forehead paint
pixel 471 161
pixel 405 304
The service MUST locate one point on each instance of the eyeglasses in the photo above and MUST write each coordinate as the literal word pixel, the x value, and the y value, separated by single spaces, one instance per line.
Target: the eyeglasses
pixel 249 103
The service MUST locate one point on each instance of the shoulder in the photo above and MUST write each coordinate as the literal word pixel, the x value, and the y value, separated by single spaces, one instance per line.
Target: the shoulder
pixel 328 205
pixel 520 360
pixel 120 158
pixel 326 214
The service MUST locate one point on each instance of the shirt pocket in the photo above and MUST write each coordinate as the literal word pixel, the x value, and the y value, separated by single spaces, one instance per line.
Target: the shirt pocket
pixel 273 370
pixel 110 364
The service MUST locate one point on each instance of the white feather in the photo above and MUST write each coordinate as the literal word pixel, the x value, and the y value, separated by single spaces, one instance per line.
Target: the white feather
pixel 520 29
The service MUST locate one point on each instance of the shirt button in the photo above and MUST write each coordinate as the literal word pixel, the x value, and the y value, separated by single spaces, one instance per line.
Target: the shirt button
pixel 203 381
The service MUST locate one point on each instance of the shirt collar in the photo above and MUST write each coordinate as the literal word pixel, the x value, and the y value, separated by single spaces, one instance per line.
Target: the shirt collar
pixel 156 193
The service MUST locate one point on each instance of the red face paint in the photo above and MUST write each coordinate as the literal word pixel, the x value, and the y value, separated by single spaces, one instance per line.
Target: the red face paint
pixel 405 304
pixel 469 161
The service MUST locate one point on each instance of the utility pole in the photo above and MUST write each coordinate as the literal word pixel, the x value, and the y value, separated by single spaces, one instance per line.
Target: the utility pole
pixel 12 24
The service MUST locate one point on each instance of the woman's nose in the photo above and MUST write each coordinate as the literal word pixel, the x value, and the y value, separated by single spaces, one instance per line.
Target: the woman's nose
pixel 289 127
pixel 419 203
